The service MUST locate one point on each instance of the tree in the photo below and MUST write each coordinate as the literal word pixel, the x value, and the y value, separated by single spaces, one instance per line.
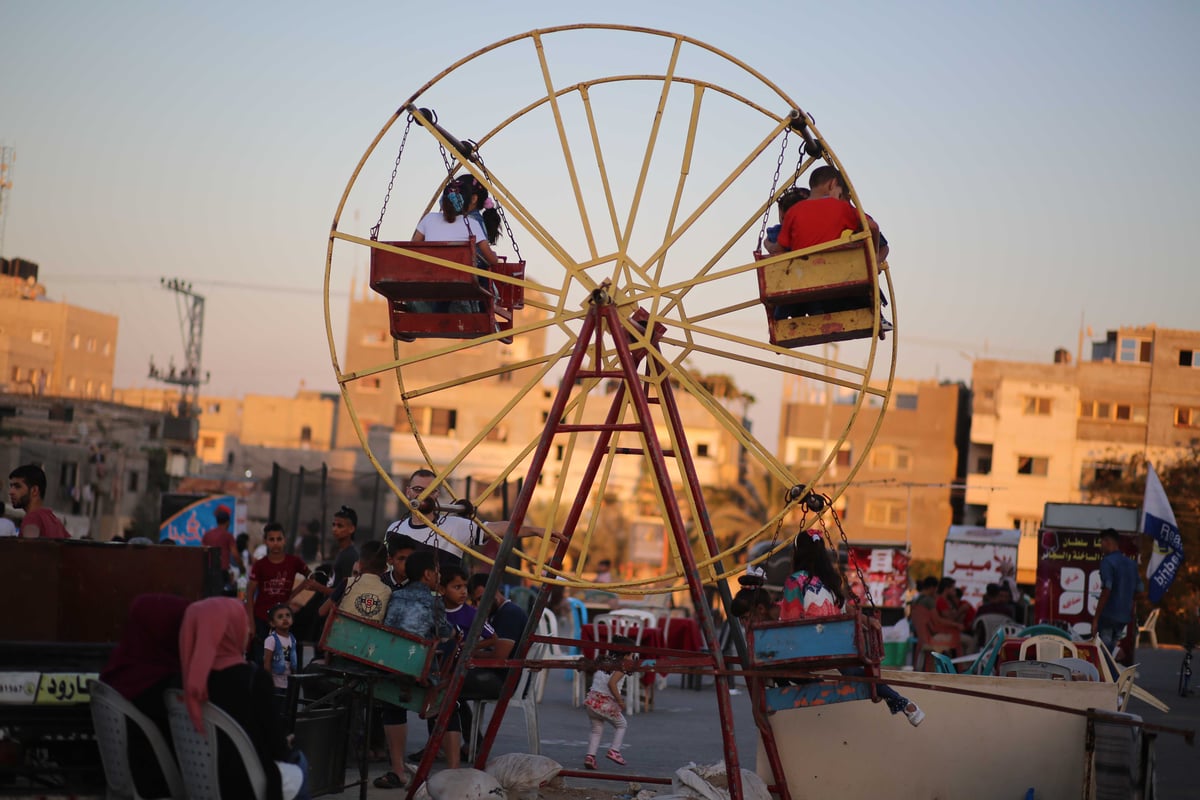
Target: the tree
pixel 1124 484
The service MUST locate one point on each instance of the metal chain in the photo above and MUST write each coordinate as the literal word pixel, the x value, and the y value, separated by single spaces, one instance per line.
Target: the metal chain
pixel 503 217
pixel 862 579
pixel 391 182
pixel 762 234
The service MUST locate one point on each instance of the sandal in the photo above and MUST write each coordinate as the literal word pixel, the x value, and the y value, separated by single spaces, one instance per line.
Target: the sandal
pixel 390 780
pixel 615 755
pixel 589 761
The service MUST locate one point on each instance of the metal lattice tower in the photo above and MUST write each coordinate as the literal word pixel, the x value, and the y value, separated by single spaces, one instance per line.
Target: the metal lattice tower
pixel 192 328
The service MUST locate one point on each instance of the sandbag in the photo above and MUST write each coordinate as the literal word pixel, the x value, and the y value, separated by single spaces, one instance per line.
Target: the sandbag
pixel 699 781
pixel 522 774
pixel 464 784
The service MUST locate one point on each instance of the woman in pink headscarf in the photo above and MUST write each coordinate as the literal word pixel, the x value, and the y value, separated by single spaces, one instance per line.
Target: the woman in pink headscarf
pixel 212 649
pixel 144 663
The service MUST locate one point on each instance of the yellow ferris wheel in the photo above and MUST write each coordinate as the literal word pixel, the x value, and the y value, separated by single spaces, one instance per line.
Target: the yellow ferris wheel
pixel 632 173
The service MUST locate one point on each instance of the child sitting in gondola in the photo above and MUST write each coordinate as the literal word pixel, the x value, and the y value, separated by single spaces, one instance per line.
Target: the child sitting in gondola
pixel 814 589
pixel 605 703
pixel 460 217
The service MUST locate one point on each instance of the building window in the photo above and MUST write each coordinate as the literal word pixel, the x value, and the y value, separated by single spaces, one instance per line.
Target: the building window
pixel 559 451
pixel 376 337
pixel 1032 465
pixel 213 408
pixel 1134 351
pixel 71 383
pixel 886 513
pixel 443 421
pixel 497 434
pixel 1123 412
pixel 133 481
pixel 843 458
pixel 89 388
pixel 702 450
pixel 17 374
pixel 91 344
pixel 889 457
pixel 208 442
pixel 807 456
pixel 1037 406
pixel 504 377
pixel 75 341
pixel 906 402
pixel 371 384
pixel 108 348
pixel 1098 472
pixel 104 390
pixel 68 474
pixel 306 434
pixel 39 336
pixel 1187 417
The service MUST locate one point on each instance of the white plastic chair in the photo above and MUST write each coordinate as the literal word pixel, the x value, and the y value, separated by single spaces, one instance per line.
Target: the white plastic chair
pixel 647 618
pixel 197 752
pixel 1046 648
pixel 111 716
pixel 523 697
pixel 548 626
pixel 1148 628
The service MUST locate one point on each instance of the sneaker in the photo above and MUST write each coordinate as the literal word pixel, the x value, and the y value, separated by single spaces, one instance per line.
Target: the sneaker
pixel 914 713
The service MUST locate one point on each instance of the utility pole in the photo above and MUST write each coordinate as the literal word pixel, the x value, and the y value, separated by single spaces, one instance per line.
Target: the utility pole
pixel 192 327
pixel 8 156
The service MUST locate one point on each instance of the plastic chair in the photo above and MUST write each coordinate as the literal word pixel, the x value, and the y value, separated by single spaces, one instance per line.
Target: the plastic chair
pixel 1035 669
pixel 943 665
pixel 987 624
pixel 197 752
pixel 1147 628
pixel 548 626
pixel 524 697
pixel 1044 629
pixel 984 662
pixel 647 618
pixel 111 717
pixel 1086 670
pixel 1048 647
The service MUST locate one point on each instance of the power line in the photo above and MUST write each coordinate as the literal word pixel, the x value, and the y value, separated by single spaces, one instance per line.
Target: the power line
pixel 219 283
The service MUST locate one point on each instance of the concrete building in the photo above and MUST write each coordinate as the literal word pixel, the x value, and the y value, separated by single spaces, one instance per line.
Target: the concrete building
pixel 51 348
pixel 229 425
pixel 102 460
pixel 905 491
pixel 1043 432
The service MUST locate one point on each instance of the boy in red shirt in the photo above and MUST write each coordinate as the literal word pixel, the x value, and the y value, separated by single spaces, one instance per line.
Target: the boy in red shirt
pixel 27 490
pixel 271 581
pixel 823 216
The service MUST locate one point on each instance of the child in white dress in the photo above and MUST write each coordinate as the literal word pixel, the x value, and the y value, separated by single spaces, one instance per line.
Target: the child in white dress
pixel 604 703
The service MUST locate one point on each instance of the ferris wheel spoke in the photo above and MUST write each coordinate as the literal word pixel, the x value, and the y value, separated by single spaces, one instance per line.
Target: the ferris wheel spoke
pixel 456 346
pixel 585 98
pixel 724 417
pixel 733 175
pixel 509 200
pixel 648 156
pixel 564 143
pixel 754 218
pixel 684 170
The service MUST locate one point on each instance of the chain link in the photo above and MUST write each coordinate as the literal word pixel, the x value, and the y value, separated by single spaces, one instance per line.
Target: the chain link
pixel 391 181
pixel 862 579
pixel 762 234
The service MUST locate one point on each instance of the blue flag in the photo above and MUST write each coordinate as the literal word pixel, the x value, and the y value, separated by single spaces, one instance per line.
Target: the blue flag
pixel 1158 520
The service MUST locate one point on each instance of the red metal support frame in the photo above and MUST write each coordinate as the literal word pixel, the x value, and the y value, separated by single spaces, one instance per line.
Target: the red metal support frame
pixel 603 314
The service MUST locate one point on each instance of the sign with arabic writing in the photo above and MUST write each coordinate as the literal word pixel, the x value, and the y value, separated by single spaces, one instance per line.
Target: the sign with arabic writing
pixel 45 688
pixel 1068 577
pixel 975 557
pixel 187 526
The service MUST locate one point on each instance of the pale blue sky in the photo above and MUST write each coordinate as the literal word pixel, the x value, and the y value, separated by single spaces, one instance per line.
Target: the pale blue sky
pixel 1031 162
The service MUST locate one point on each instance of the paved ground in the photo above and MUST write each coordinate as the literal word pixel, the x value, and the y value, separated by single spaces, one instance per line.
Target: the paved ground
pixel 684 727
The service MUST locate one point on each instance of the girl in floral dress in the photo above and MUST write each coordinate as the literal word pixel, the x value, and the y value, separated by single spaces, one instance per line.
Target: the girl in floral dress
pixel 604 703
pixel 814 589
